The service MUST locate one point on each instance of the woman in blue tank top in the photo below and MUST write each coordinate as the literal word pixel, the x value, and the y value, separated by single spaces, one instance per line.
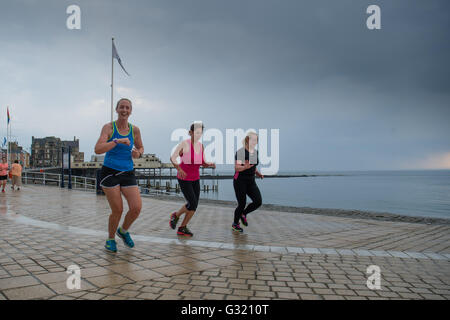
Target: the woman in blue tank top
pixel 122 142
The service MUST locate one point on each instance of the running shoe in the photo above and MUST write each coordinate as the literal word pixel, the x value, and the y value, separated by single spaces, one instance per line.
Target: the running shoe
pixel 126 238
pixel 174 220
pixel 184 231
pixel 237 228
pixel 111 245
pixel 244 220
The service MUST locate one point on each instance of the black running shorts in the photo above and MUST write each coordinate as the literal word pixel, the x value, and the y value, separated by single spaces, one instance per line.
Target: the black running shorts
pixel 191 192
pixel 110 178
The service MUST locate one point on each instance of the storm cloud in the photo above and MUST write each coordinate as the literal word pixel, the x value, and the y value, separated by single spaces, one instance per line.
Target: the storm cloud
pixel 343 97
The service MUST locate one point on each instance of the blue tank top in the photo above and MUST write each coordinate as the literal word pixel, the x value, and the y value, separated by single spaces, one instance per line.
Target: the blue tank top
pixel 119 158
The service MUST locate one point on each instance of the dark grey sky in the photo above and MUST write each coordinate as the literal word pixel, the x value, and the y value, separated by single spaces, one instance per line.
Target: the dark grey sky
pixel 343 97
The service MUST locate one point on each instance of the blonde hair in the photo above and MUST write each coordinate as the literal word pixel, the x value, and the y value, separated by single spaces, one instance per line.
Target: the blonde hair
pixel 247 138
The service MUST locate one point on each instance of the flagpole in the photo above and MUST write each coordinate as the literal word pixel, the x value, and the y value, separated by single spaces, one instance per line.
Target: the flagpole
pixel 10 136
pixel 112 78
pixel 9 163
pixel 7 134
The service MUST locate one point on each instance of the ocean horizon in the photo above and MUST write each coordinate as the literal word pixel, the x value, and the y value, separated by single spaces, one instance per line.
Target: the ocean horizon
pixel 424 193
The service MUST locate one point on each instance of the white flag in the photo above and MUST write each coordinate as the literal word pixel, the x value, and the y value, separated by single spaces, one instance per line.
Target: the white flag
pixel 116 55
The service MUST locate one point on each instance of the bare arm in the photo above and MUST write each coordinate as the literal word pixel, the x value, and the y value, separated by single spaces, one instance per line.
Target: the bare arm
pixel 239 166
pixel 206 164
pixel 259 174
pixel 102 145
pixel 138 149
pixel 173 159
pixel 175 154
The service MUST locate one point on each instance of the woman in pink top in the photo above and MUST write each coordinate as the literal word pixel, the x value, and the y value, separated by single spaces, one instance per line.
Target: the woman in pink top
pixel 188 174
pixel 3 173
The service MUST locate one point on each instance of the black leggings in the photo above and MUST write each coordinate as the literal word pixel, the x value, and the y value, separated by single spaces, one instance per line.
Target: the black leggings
pixel 191 192
pixel 244 186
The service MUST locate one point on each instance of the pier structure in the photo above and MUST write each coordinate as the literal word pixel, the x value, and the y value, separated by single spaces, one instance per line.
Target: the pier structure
pixel 151 173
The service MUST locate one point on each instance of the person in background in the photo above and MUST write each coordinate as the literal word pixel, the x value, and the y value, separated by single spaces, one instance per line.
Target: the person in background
pixel 16 173
pixel 3 173
pixel 244 180
pixel 191 152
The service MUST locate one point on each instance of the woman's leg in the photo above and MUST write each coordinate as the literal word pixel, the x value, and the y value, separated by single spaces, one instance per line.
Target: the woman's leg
pixel 254 194
pixel 134 205
pixel 115 202
pixel 182 210
pixel 194 203
pixel 187 217
pixel 188 191
pixel 241 197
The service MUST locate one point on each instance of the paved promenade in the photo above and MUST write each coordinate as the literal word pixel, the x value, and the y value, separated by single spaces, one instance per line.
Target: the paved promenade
pixel 281 255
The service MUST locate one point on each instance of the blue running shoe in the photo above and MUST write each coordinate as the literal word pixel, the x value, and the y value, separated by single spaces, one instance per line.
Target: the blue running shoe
pixel 111 245
pixel 126 238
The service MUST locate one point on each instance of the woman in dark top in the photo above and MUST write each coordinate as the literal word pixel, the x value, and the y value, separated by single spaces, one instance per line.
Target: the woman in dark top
pixel 244 181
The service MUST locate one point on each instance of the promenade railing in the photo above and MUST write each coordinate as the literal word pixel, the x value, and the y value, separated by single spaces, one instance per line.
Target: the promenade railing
pixel 45 178
pixel 78 182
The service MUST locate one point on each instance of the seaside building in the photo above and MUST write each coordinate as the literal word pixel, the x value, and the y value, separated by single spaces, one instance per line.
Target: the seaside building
pixel 77 156
pixel 16 153
pixel 46 152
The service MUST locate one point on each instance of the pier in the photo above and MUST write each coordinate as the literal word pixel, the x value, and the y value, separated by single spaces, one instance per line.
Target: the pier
pixel 151 174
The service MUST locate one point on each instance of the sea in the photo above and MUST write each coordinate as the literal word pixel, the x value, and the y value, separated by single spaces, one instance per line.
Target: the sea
pixel 413 193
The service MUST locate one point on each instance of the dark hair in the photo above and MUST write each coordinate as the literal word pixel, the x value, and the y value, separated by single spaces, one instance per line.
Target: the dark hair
pixel 198 126
pixel 117 105
pixel 16 161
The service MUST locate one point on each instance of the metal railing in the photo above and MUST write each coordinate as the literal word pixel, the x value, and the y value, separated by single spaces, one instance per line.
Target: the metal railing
pixel 90 184
pixel 147 191
pixel 45 178
pixel 78 182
